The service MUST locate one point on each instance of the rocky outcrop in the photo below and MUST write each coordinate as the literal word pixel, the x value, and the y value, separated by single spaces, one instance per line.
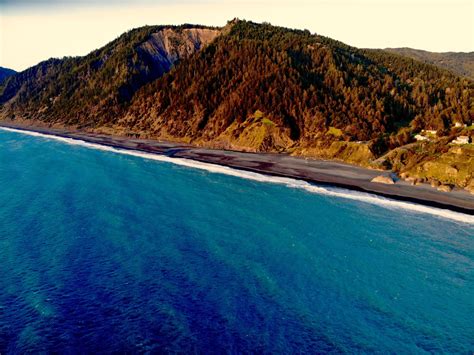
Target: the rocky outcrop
pixel 382 179
pixel 442 166
pixel 445 188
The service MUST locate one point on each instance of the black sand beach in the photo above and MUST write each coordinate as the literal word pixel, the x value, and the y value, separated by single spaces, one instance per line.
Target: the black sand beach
pixel 321 172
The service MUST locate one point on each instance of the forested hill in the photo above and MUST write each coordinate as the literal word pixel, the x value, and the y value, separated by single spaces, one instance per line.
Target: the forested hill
pixel 85 90
pixel 302 83
pixel 249 86
pixel 461 63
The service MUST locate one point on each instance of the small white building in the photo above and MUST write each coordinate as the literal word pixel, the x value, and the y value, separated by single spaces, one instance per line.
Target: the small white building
pixel 421 138
pixel 461 140
pixel 426 135
pixel 459 125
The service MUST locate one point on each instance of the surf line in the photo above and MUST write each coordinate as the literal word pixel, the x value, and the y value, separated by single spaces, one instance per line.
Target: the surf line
pixel 249 175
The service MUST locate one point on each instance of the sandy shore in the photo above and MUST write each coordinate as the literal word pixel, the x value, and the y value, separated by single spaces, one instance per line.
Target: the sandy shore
pixel 320 172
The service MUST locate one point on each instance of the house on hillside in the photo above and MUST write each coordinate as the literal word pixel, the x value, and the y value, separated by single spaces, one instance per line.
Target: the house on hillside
pixel 421 138
pixel 426 135
pixel 461 140
pixel 460 125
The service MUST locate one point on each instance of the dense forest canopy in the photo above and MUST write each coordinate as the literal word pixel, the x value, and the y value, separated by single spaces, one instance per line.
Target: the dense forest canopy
pixel 304 82
pixel 245 86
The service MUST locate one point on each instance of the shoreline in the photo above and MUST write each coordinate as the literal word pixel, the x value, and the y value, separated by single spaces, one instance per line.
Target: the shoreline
pixel 319 172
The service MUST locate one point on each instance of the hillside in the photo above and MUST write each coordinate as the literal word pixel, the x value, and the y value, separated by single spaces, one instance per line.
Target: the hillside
pixel 458 62
pixel 87 91
pixel 252 87
pixel 5 73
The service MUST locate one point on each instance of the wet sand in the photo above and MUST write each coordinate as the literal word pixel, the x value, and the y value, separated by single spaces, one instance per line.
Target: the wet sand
pixel 321 172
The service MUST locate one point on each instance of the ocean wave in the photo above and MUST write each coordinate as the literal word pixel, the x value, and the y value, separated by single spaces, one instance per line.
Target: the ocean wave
pixel 289 182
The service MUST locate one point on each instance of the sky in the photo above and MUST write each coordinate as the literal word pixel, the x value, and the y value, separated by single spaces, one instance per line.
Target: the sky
pixel 35 30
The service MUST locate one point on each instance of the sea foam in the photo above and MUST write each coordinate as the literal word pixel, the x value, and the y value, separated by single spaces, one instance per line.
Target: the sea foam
pixel 289 182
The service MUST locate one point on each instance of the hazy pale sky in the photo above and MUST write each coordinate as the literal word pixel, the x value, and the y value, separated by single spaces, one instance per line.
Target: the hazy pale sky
pixel 35 30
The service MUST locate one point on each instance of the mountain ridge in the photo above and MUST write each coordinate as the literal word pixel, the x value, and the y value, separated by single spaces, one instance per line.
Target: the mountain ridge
pixel 461 63
pixel 254 87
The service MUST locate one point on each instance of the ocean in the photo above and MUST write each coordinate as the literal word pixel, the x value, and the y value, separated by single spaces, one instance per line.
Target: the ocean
pixel 104 250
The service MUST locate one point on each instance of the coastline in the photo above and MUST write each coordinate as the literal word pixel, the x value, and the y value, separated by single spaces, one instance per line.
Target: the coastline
pixel 319 172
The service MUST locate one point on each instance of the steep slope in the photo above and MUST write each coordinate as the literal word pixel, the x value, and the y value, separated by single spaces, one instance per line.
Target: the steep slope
pixel 5 73
pixel 458 62
pixel 304 84
pixel 252 87
pixel 90 90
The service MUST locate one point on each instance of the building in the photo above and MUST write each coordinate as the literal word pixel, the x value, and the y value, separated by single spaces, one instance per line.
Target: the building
pixel 421 138
pixel 426 135
pixel 461 140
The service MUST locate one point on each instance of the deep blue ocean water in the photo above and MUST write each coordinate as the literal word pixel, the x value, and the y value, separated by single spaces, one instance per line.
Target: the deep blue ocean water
pixel 103 252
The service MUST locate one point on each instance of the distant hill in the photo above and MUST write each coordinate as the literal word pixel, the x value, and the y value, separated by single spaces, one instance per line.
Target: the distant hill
pixel 460 63
pixel 253 87
pixel 5 73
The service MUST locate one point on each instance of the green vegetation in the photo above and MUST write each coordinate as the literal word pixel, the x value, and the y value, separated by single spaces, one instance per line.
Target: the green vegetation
pixel 258 114
pixel 267 122
pixel 255 87
pixel 441 163
pixel 336 132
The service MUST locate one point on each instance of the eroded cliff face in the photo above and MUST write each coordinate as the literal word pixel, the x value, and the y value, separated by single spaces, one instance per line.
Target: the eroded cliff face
pixel 169 46
pixel 161 50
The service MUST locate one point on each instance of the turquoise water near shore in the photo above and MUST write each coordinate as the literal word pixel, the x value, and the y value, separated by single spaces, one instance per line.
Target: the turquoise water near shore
pixel 111 252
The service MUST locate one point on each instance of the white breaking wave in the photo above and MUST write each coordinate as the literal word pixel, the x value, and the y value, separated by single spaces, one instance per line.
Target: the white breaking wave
pixel 289 182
